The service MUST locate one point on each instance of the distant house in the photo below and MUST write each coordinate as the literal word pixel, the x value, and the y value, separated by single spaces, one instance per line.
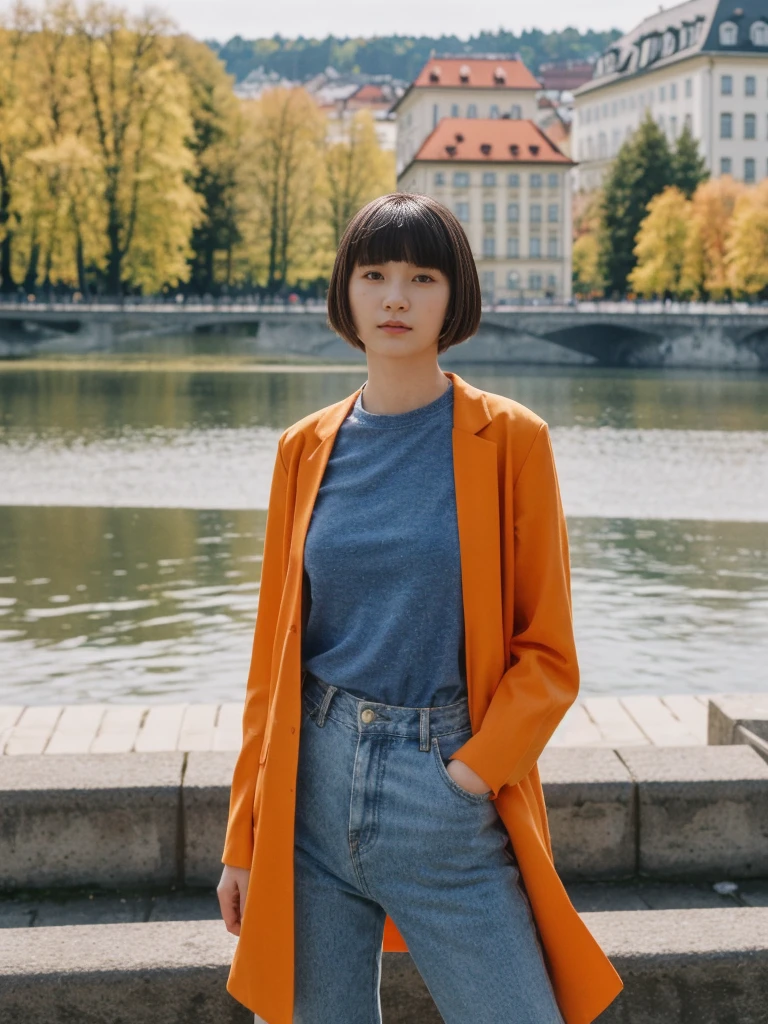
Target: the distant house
pixel 703 63
pixel 509 185
pixel 489 86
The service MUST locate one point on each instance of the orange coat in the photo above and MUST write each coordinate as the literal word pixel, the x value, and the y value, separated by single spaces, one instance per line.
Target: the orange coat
pixel 522 676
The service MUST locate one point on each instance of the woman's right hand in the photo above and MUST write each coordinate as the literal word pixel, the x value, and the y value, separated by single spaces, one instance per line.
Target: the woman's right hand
pixel 232 890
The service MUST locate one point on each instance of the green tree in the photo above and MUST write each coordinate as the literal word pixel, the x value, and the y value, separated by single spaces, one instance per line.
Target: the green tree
pixel 688 166
pixel 642 169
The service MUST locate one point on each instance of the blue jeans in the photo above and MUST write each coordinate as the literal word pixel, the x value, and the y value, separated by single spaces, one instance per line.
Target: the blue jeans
pixel 381 827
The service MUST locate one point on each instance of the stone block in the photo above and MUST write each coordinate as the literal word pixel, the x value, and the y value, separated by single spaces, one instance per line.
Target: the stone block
pixel 101 820
pixel 590 799
pixel 702 811
pixel 205 799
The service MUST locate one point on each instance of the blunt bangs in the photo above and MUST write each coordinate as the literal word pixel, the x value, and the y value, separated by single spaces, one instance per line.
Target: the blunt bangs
pixel 408 227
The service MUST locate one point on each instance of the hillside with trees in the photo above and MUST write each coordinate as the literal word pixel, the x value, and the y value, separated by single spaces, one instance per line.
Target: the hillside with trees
pixel 401 56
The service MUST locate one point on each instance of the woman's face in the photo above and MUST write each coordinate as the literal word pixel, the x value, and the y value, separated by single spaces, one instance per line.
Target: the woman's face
pixel 417 297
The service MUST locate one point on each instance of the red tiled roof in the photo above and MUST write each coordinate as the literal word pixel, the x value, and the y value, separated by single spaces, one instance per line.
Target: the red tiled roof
pixel 371 93
pixel 480 73
pixel 490 140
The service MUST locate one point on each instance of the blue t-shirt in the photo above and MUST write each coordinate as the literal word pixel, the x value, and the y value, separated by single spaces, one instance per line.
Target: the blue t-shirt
pixel 382 564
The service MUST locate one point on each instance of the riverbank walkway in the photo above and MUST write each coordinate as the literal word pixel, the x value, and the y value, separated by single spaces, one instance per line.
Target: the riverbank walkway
pixel 642 720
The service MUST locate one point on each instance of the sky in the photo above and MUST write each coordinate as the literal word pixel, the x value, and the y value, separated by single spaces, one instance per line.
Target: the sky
pixel 318 18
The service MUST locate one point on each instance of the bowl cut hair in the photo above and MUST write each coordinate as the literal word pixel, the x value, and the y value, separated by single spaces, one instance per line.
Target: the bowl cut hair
pixel 408 227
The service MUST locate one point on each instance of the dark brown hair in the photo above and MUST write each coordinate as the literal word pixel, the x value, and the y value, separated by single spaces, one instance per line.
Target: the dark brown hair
pixel 413 228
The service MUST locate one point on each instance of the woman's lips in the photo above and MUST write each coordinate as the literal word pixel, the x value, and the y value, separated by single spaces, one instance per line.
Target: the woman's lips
pixel 394 330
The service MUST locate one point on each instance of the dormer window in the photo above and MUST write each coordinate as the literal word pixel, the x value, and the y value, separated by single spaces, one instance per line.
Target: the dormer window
pixel 729 33
pixel 459 137
pixel 485 148
pixel 534 150
pixel 434 74
pixel 464 73
pixel 499 76
pixel 668 43
pixel 758 33
pixel 450 150
pixel 514 149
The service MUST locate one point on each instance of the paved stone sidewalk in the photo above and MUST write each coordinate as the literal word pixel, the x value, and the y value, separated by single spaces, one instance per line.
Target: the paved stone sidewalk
pixel 672 720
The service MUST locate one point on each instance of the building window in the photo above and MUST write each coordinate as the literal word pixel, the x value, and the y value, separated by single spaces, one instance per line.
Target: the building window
pixel 758 33
pixel 552 281
pixel 513 247
pixel 725 165
pixel 513 181
pixel 689 87
pixel 489 178
pixel 726 85
pixel 489 212
pixel 494 110
pixel 513 212
pixel 673 127
pixel 750 85
pixel 516 112
pixel 749 170
pixel 462 212
pixel 487 282
pixel 535 181
pixel 489 246
pixel 534 282
pixel 662 93
pixel 535 213
pixel 534 247
pixel 729 33
pixel 688 122
pixel 472 110
pixel 460 179
pixel 673 91
pixel 553 213
pixel 726 126
pixel 553 180
pixel 513 280
pixel 454 110
pixel 439 177
pixel 435 114
pixel 750 126
pixel 552 246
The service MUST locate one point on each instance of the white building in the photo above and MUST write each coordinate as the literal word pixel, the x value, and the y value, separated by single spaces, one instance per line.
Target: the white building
pixel 509 185
pixel 703 63
pixel 492 86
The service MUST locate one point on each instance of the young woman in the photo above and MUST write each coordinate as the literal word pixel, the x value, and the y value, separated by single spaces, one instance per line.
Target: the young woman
pixel 413 654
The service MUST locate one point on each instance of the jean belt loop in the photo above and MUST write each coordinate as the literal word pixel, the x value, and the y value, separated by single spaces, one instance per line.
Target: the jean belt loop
pixel 326 703
pixel 425 740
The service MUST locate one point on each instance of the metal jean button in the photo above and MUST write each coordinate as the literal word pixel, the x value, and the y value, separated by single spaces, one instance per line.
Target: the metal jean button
pixel 368 715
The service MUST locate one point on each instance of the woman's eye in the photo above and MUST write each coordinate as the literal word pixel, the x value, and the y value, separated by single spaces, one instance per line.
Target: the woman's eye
pixel 369 272
pixel 428 278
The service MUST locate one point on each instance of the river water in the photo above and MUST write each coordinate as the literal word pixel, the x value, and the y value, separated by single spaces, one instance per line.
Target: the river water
pixel 132 498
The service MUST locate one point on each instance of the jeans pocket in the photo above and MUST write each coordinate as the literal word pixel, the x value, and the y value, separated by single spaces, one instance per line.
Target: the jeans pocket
pixel 474 798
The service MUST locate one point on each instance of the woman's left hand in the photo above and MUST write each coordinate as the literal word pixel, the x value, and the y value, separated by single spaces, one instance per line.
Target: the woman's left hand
pixel 463 776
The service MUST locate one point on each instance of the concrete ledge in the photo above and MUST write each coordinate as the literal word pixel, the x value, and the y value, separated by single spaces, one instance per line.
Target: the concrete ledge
pixel 591 809
pixel 739 718
pixel 710 966
pixel 205 798
pixel 107 820
pixel 91 819
pixel 702 811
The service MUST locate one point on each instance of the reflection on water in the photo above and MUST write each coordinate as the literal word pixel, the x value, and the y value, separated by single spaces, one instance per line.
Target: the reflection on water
pixel 130 536
pixel 141 603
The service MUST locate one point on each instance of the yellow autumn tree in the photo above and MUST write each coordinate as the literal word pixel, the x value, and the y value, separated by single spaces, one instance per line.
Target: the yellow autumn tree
pixel 587 276
pixel 357 170
pixel 282 183
pixel 705 272
pixel 661 245
pixel 18 133
pixel 746 257
pixel 137 124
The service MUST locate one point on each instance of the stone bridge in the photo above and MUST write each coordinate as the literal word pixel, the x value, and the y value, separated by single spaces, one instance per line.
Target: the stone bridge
pixel 605 334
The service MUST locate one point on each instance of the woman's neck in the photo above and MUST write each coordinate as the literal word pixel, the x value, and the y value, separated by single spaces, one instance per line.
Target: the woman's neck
pixel 394 388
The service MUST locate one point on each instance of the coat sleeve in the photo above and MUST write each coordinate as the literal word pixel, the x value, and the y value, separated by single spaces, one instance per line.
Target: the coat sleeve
pixel 543 679
pixel 238 845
